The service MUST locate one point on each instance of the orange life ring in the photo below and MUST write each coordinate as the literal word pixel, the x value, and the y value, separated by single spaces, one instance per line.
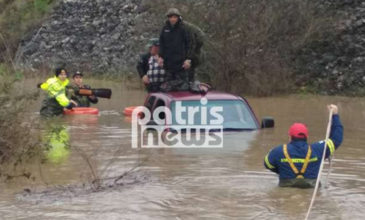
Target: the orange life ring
pixel 129 110
pixel 81 111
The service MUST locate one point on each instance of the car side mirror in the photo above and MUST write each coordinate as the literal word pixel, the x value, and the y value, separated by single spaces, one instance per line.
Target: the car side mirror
pixel 267 122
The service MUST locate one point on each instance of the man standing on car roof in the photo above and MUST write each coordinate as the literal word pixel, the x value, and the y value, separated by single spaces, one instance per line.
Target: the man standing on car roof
pixel 175 51
pixel 149 69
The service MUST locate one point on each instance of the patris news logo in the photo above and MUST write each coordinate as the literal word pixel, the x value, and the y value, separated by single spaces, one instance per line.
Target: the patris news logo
pixel 180 126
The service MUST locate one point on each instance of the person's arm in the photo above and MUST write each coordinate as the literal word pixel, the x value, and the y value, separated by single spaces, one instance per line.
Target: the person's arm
pixel 93 99
pixel 188 47
pixel 56 91
pixel 190 42
pixel 270 161
pixel 142 65
pixel 63 100
pixel 70 92
pixel 196 39
pixel 162 44
pixel 71 105
pixel 44 86
pixel 336 134
pixel 200 38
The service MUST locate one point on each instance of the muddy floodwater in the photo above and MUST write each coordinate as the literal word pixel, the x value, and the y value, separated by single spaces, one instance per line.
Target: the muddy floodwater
pixel 226 183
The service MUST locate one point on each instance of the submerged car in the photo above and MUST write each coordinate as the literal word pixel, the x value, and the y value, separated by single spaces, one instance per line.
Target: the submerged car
pixel 231 111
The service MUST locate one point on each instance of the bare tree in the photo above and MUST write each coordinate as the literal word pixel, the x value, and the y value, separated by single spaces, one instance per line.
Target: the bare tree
pixel 250 44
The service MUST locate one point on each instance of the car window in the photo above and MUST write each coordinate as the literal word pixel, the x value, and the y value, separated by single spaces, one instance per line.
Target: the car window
pixel 236 113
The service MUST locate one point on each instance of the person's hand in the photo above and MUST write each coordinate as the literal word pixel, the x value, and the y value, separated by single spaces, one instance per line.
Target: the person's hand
pixel 334 108
pixel 71 105
pixel 145 79
pixel 74 103
pixel 160 62
pixel 187 64
pixel 92 97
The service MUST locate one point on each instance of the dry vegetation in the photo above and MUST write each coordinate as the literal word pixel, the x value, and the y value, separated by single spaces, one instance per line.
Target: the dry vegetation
pixel 19 139
pixel 251 44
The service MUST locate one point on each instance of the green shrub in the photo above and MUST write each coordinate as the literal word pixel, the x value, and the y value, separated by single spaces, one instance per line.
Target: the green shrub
pixel 41 6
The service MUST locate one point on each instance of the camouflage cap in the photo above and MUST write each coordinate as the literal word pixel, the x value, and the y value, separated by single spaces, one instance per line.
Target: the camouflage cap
pixel 153 42
pixel 78 73
pixel 173 11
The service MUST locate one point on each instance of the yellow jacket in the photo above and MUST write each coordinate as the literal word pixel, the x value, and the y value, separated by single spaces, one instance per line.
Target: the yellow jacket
pixel 57 140
pixel 56 89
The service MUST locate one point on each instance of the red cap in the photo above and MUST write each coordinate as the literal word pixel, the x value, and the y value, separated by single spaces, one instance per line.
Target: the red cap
pixel 298 130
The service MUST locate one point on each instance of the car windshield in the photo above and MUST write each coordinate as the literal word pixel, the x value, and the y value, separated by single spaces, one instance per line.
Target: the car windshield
pixel 235 114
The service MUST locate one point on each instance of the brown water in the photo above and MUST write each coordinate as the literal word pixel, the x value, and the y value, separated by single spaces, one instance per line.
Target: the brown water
pixel 227 183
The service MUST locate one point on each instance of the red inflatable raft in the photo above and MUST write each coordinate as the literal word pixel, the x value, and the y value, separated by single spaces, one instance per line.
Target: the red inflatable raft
pixel 129 110
pixel 82 111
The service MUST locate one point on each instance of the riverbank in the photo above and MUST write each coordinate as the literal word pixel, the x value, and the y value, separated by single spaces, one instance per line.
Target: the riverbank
pixel 19 129
pixel 310 46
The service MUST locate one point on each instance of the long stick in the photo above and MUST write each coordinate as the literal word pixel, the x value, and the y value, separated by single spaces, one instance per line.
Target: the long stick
pixel 329 170
pixel 322 161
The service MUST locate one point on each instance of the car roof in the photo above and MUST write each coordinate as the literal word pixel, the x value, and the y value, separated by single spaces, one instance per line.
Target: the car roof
pixel 187 95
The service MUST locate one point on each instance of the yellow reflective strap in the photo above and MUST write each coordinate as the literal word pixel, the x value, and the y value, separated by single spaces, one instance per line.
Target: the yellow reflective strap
pixel 331 146
pixel 291 163
pixel 299 160
pixel 268 164
pixel 306 162
pixel 293 167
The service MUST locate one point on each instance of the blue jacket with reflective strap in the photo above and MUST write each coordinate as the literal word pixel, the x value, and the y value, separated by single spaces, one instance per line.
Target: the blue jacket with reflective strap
pixel 275 160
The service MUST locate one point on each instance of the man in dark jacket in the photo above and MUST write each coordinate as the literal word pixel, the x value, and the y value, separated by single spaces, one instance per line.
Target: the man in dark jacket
pixel 175 51
pixel 297 163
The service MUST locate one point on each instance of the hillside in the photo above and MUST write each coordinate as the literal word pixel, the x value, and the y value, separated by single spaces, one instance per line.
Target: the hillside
pixel 270 47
